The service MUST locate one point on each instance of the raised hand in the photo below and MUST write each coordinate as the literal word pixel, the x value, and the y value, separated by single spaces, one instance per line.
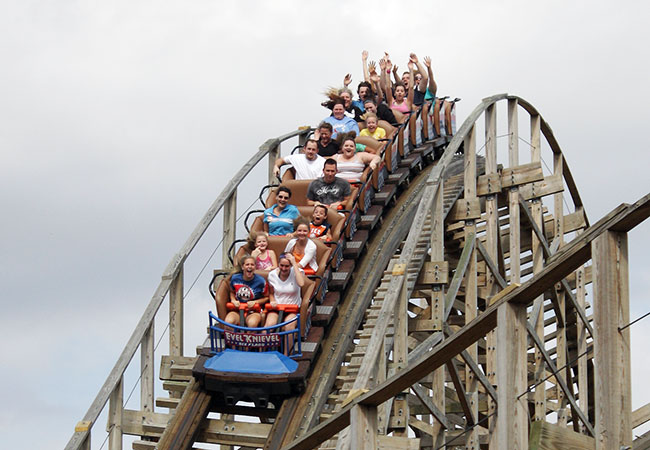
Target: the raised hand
pixel 427 61
pixel 413 58
pixel 411 66
pixel 382 64
pixel 372 67
pixel 347 80
pixel 364 55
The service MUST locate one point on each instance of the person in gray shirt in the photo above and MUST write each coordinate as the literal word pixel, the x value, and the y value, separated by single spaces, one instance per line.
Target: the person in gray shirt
pixel 329 190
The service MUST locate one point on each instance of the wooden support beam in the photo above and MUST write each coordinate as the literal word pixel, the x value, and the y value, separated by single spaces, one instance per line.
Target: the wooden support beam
pixel 363 426
pixel 513 133
pixel 421 393
pixel 460 391
pixel 461 268
pixel 581 338
pixel 547 251
pixel 468 394
pixel 274 153
pixel 560 379
pixel 641 415
pixel 176 315
pixel 491 253
pixel 229 228
pixel 114 425
pixel 546 436
pixel 611 342
pixel 191 412
pixel 147 370
pixel 512 417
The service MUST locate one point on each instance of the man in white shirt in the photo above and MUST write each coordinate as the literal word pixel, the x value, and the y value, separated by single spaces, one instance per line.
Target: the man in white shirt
pixel 308 165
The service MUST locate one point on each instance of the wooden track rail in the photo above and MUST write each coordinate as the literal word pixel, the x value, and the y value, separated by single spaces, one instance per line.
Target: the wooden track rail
pixel 466 323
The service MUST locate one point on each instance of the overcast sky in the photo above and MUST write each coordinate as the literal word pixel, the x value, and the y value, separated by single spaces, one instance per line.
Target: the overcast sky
pixel 121 121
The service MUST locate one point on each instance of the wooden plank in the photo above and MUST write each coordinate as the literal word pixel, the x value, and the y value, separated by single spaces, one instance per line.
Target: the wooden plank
pixel 465 210
pixel 397 443
pixel 546 436
pixel 176 368
pixel 434 272
pixel 488 184
pixel 612 345
pixel 551 184
pixel 640 415
pixel 213 431
pixel 523 174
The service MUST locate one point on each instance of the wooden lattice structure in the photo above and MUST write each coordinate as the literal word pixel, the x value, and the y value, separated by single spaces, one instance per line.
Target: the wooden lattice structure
pixel 487 313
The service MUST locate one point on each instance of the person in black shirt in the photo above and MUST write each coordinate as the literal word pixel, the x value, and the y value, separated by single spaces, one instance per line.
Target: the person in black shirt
pixel 326 146
pixel 382 110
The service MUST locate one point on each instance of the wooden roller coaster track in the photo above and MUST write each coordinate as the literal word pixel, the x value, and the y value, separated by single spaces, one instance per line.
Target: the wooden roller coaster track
pixel 466 324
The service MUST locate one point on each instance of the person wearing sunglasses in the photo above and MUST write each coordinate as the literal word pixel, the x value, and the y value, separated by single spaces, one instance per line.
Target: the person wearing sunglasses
pixel 278 219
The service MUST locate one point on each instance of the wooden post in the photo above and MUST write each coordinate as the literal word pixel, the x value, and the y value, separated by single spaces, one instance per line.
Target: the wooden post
pixel 471 288
pixel 535 137
pixel 437 309
pixel 229 228
pixel 176 315
pixel 274 154
pixel 538 264
pixel 85 445
pixel 611 346
pixel 513 194
pixel 114 426
pixel 512 366
pixel 400 358
pixel 146 368
pixel 491 241
pixel 363 427
pixel 583 380
pixel 540 366
pixel 513 132
pixel 561 347
pixel 302 138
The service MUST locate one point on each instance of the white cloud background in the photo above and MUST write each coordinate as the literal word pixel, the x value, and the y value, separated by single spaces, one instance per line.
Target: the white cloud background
pixel 120 122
